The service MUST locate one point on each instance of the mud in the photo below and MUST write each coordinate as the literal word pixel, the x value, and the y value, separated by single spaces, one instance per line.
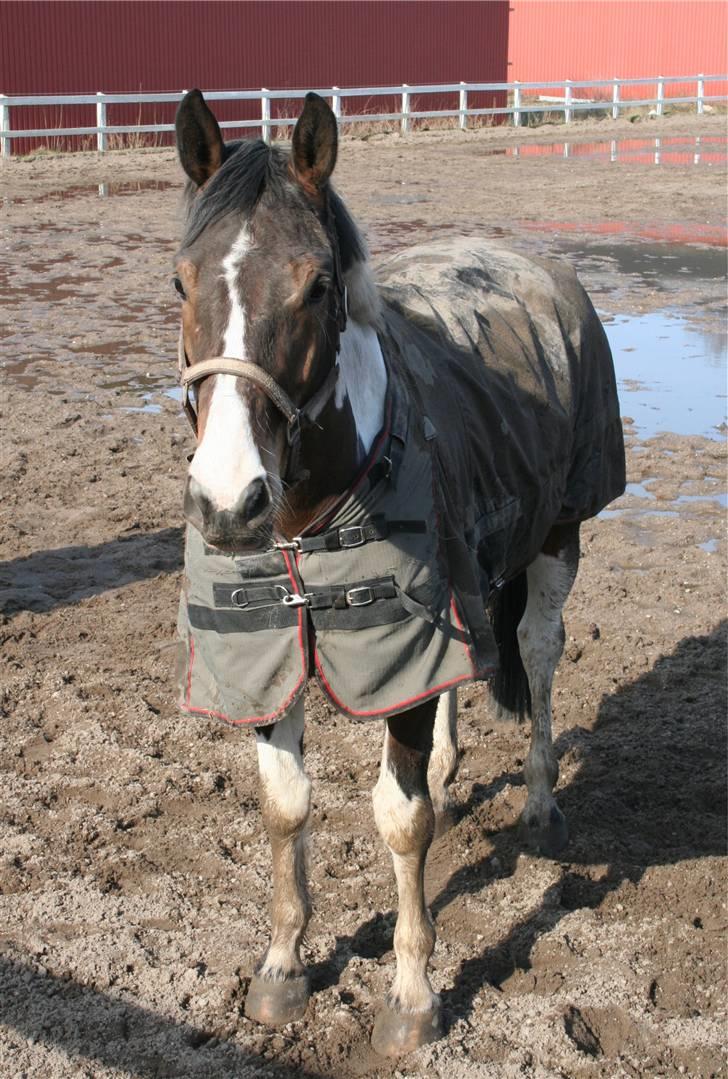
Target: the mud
pixel 134 870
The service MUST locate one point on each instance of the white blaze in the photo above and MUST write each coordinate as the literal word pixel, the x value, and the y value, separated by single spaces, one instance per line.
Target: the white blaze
pixel 227 460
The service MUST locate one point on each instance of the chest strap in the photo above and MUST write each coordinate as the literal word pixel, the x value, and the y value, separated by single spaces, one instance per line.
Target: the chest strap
pixel 338 539
pixel 257 597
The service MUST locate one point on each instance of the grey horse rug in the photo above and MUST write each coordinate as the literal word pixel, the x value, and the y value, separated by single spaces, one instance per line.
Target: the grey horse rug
pixel 502 420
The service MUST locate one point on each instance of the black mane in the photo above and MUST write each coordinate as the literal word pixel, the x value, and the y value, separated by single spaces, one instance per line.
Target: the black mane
pixel 250 169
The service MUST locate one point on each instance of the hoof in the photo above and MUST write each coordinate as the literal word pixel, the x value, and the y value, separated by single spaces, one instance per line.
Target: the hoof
pixel 547 836
pixel 396 1033
pixel 277 1003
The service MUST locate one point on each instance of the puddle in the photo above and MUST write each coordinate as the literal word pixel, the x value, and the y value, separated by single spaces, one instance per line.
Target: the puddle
pixel 710 235
pixel 721 498
pixel 671 375
pixel 102 191
pixel 639 489
pixel 677 150
pixel 711 546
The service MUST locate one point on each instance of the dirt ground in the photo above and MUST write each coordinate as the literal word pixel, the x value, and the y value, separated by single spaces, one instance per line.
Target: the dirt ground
pixel 134 870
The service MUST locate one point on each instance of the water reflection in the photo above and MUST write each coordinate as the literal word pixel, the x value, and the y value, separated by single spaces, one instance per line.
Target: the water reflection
pixel 677 150
pixel 671 374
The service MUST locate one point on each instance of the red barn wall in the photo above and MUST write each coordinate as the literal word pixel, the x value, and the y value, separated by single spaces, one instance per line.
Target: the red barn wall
pixel 601 39
pixel 83 47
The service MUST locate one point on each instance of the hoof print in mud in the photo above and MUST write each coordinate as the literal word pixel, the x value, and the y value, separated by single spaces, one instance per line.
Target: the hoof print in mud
pixel 277 1003
pixel 396 1033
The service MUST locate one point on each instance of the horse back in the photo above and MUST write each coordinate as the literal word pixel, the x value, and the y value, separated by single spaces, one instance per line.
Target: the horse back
pixel 507 360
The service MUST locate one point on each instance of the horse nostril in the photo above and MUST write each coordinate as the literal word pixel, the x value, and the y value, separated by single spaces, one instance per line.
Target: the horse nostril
pixel 256 499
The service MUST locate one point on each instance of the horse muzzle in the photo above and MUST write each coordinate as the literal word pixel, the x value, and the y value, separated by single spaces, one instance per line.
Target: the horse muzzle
pixel 246 526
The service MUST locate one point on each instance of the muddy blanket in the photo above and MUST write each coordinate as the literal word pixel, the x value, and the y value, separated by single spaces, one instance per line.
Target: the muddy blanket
pixel 508 359
pixel 502 420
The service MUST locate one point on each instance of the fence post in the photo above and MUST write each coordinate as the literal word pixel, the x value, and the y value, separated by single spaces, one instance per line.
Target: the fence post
pixel 336 103
pixel 5 143
pixel 615 99
pixel 701 94
pixel 101 140
pixel 405 122
pixel 463 107
pixel 265 115
pixel 567 101
pixel 516 104
pixel 660 94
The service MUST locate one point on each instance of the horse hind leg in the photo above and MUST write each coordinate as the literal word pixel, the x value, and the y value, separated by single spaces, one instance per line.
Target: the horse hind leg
pixel 541 642
pixel 403 812
pixel 443 760
pixel 279 989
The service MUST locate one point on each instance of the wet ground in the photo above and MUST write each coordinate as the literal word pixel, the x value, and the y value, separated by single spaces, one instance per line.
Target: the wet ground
pixel 133 864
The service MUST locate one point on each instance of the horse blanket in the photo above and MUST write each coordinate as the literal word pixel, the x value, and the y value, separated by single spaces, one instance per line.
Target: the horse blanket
pixel 502 420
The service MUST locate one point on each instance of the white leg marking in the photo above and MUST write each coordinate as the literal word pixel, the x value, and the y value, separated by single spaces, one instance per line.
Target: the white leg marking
pixel 227 460
pixel 541 642
pixel 363 379
pixel 405 825
pixel 444 757
pixel 285 799
pixel 280 766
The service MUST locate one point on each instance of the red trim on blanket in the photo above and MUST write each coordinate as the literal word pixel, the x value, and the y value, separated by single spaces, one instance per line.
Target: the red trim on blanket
pixel 408 701
pixel 271 716
pixel 461 627
pixel 392 709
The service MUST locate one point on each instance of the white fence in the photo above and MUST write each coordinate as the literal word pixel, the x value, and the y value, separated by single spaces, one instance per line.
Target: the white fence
pixel 570 102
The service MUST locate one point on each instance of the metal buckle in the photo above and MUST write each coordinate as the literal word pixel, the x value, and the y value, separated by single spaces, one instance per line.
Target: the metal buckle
pixel 357 534
pixel 359 597
pixel 239 592
pixel 294 599
pixel 284 545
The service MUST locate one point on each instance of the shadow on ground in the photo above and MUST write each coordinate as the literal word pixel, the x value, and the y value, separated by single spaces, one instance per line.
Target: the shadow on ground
pixel 649 791
pixel 45 580
pixel 93 1027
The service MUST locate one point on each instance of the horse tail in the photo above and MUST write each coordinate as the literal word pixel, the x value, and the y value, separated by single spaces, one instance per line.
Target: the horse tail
pixel 510 688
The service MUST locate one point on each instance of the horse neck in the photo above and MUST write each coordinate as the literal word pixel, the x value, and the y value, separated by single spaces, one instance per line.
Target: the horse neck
pixel 335 450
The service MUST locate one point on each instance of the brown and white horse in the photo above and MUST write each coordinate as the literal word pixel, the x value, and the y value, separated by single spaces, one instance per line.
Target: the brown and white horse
pixel 274 275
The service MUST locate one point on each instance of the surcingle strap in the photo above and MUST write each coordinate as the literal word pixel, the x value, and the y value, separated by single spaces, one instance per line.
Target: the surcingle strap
pixel 256 597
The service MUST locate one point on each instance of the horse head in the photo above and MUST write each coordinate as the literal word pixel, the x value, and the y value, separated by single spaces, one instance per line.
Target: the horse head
pixel 262 272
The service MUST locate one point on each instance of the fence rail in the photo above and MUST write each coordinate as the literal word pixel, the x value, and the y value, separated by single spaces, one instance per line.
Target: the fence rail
pixel 514 96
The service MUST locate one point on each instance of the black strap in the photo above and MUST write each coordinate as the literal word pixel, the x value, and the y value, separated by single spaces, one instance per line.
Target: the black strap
pixel 251 598
pixel 337 539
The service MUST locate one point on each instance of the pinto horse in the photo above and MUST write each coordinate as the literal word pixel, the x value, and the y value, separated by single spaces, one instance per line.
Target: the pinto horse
pixel 376 464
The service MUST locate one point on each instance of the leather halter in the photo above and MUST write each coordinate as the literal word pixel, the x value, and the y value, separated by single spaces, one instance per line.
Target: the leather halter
pixel 297 418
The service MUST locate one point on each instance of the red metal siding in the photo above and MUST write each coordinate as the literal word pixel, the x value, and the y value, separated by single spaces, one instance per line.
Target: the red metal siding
pixel 82 47
pixel 601 39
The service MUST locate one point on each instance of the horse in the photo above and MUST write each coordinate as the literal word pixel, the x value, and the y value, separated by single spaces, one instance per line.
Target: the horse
pixel 386 493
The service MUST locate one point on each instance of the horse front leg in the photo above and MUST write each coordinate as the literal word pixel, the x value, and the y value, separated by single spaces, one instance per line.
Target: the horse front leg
pixel 403 812
pixel 541 643
pixel 443 760
pixel 279 990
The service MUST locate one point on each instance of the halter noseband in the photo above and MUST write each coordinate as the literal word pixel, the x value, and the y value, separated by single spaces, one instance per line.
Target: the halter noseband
pixel 297 418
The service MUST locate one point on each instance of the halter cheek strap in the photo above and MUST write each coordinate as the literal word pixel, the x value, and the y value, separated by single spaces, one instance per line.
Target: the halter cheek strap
pixel 297 418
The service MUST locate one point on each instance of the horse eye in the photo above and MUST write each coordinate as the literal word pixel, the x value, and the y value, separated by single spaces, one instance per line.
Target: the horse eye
pixel 317 290
pixel 179 287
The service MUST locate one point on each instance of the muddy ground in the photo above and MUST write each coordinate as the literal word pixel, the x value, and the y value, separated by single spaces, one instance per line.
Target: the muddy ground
pixel 134 871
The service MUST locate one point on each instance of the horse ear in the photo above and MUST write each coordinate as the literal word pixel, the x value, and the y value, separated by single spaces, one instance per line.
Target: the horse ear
pixel 315 140
pixel 199 142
